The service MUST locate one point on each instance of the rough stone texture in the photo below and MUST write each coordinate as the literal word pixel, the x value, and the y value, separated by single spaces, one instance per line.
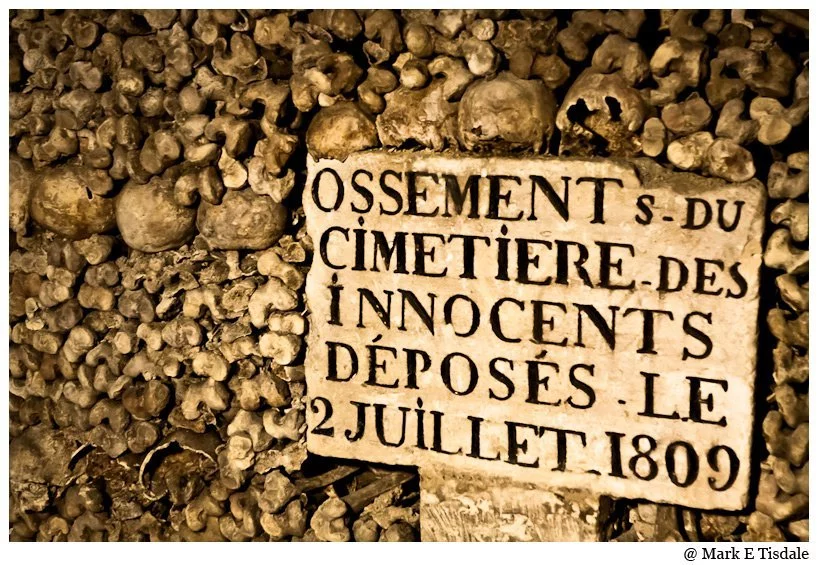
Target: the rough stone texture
pixel 655 522
pixel 457 506
pixel 619 402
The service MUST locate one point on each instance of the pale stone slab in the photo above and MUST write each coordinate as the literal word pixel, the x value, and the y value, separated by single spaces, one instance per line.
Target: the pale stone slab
pixel 458 506
pixel 532 332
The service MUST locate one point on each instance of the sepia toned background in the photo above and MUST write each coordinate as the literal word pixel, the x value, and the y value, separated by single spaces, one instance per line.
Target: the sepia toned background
pixel 159 250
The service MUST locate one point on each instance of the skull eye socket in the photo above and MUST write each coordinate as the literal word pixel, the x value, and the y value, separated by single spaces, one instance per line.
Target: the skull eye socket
pixel 614 108
pixel 730 72
pixel 578 112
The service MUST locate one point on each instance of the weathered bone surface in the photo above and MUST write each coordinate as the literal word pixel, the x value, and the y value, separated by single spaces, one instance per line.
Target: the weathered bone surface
pixel 506 112
pixel 62 202
pixel 243 220
pixel 150 218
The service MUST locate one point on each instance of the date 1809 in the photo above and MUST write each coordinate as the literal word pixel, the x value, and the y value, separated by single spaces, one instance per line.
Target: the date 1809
pixel 645 462
pixel 403 431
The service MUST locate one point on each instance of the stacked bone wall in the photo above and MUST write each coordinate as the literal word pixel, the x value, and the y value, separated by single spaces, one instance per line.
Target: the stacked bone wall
pixel 158 256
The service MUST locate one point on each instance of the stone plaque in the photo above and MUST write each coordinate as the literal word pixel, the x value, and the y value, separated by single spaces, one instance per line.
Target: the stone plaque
pixel 570 323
